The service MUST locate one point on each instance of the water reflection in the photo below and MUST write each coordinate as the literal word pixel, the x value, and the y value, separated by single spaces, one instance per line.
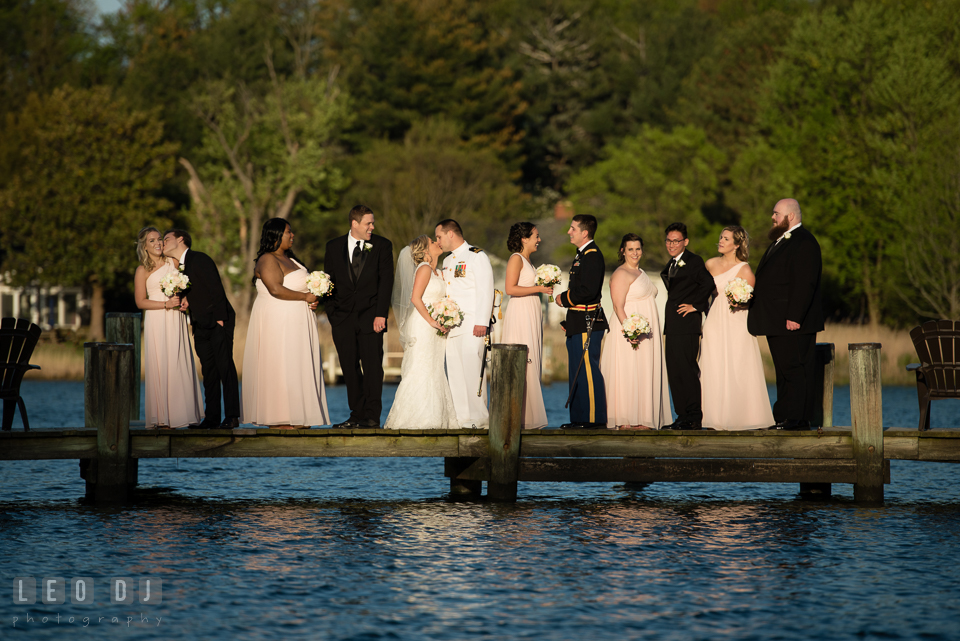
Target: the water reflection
pixel 260 549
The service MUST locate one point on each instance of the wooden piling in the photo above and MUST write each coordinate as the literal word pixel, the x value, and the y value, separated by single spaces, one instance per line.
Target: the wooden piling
pixel 108 368
pixel 866 413
pixel 461 488
pixel 507 382
pixel 125 328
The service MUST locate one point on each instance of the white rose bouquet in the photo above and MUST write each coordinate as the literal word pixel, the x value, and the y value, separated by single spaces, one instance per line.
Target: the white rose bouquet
pixel 174 283
pixel 548 276
pixel 635 327
pixel 738 292
pixel 446 312
pixel 319 284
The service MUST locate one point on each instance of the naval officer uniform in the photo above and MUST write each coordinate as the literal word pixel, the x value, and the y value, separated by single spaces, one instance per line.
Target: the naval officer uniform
pixel 469 278
pixel 588 407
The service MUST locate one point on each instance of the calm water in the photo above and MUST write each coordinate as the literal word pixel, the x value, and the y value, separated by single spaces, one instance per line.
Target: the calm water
pixel 372 549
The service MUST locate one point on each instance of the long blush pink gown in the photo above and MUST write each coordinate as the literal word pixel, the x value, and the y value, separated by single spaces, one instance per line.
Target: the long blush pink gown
pixel 636 379
pixel 282 368
pixel 173 396
pixel 734 392
pixel 523 325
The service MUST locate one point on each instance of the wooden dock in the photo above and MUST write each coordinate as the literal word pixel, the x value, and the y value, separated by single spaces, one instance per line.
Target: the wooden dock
pixel 109 449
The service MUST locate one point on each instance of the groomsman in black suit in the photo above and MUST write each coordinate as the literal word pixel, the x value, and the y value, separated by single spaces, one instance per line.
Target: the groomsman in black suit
pixel 361 268
pixel 213 321
pixel 689 286
pixel 786 308
pixel 585 321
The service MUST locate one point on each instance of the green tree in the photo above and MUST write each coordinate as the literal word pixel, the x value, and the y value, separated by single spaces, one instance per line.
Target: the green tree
pixel 263 154
pixel 853 102
pixel 42 44
pixel 87 171
pixel 432 175
pixel 405 60
pixel 647 182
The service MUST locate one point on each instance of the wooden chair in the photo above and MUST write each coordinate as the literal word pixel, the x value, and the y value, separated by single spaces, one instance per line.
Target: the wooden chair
pixel 18 338
pixel 938 372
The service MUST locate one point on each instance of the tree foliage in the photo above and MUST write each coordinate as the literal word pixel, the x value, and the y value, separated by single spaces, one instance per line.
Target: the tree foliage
pixel 703 111
pixel 647 182
pixel 433 175
pixel 261 154
pixel 87 171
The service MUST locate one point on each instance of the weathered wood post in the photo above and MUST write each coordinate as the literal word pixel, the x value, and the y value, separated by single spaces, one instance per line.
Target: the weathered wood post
pixel 507 381
pixel 866 413
pixel 106 404
pixel 125 328
pixel 825 358
pixel 452 467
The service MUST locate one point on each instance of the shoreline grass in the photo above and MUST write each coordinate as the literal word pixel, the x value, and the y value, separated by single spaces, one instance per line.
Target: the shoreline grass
pixel 64 361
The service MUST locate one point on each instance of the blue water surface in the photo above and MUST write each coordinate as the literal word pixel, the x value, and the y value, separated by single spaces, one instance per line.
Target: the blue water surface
pixel 376 549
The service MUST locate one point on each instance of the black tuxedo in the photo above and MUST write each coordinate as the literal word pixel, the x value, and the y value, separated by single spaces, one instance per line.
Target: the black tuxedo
pixel 213 342
pixel 788 288
pixel 691 284
pixel 356 301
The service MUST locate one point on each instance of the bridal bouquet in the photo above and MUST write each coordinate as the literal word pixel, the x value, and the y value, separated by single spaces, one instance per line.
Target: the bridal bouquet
pixel 548 276
pixel 634 327
pixel 738 292
pixel 174 283
pixel 319 284
pixel 446 312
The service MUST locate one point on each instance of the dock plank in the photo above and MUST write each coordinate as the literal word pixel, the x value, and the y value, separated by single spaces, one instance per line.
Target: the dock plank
pixel 690 470
pixel 800 445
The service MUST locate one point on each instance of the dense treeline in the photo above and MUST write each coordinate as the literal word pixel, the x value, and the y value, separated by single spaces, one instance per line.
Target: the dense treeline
pixel 218 114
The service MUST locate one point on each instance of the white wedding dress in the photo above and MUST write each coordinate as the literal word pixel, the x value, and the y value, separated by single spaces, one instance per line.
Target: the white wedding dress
pixel 423 400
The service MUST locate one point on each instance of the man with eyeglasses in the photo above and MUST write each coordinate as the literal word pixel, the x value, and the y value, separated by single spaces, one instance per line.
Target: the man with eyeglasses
pixel 689 286
pixel 787 309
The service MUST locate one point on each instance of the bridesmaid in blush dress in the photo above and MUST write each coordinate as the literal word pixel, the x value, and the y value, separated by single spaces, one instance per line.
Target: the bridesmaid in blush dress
pixel 638 396
pixel 523 319
pixel 173 397
pixel 282 368
pixel 734 392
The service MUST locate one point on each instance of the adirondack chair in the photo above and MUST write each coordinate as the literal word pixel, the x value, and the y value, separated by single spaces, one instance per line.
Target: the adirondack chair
pixel 938 372
pixel 18 338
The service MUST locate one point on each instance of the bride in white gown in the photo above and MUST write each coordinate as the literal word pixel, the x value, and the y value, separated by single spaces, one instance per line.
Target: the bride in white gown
pixel 423 399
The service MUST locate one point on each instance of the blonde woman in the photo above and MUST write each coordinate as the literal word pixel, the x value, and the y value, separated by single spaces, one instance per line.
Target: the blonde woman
pixel 173 397
pixel 734 392
pixel 423 399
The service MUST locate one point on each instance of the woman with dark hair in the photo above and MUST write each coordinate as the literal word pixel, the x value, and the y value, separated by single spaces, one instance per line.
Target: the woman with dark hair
pixel 523 318
pixel 173 397
pixel 733 389
pixel 282 367
pixel 634 371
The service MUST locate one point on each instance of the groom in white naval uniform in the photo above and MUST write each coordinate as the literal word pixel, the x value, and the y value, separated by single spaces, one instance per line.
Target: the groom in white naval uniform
pixel 469 279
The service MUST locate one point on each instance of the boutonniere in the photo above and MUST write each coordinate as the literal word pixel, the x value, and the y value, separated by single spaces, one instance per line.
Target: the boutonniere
pixel 680 263
pixel 367 247
pixel 786 235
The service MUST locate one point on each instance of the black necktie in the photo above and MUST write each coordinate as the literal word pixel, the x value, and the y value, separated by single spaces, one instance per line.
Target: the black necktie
pixel 673 268
pixel 355 261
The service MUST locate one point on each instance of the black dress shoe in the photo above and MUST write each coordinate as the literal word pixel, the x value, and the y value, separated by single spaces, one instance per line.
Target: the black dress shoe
pixel 791 426
pixel 682 425
pixel 583 426
pixel 368 423
pixel 230 423
pixel 348 424
pixel 205 424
